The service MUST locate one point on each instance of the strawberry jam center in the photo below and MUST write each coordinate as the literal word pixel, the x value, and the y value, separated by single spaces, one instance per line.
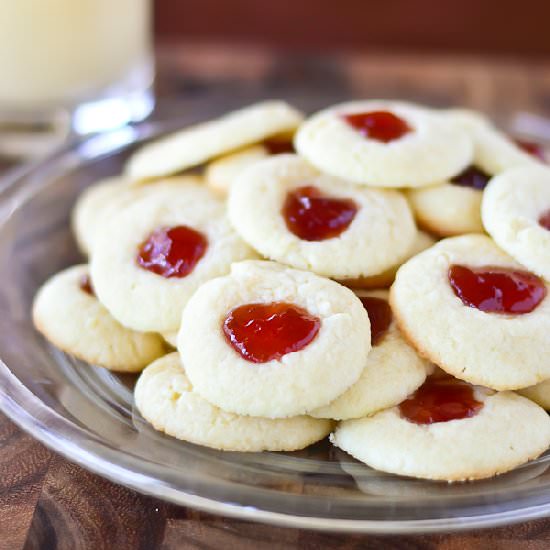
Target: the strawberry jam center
pixel 497 289
pixel 85 284
pixel 533 148
pixel 380 317
pixel 266 332
pixel 379 125
pixel 441 398
pixel 278 146
pixel 313 217
pixel 472 177
pixel 172 252
pixel 544 220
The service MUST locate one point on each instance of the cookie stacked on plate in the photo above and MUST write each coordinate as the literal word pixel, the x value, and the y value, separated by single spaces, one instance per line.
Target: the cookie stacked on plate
pixel 281 258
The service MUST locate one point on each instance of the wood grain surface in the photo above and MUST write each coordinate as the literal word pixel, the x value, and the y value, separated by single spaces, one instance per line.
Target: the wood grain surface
pixel 48 503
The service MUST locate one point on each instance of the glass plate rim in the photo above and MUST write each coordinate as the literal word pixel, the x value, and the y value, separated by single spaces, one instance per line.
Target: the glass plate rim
pixel 36 418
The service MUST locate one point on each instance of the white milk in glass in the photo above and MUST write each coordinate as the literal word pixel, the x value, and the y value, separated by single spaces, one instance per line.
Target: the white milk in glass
pixel 63 53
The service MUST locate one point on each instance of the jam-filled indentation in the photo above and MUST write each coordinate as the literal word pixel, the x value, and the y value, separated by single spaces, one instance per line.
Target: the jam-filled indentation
pixel 172 252
pixel 473 177
pixel 380 316
pixel 441 398
pixel 85 284
pixel 311 216
pixel 381 126
pixel 544 220
pixel 497 289
pixel 266 332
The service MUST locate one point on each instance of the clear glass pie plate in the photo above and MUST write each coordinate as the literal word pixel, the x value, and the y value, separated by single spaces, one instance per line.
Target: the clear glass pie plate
pixel 86 413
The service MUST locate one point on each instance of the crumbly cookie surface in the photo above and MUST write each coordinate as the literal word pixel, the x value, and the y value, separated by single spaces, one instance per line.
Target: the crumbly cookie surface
pixel 197 144
pixel 165 398
pixel 494 151
pixel 513 203
pixel 392 372
pixel 508 431
pixel 277 388
pixel 383 227
pixel 99 202
pixel 144 300
pixel 221 173
pixel 539 393
pixel 495 350
pixel 421 157
pixel 76 322
pixel 446 209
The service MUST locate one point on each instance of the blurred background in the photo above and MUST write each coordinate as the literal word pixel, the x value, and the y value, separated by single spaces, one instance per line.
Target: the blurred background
pixel 466 26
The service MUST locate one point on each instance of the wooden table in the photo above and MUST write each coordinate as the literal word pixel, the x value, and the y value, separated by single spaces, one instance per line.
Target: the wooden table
pixel 47 502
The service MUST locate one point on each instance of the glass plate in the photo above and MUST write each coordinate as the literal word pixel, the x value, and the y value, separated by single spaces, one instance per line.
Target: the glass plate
pixel 86 413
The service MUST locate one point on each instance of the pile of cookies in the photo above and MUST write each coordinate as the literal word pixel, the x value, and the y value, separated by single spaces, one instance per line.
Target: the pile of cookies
pixel 281 257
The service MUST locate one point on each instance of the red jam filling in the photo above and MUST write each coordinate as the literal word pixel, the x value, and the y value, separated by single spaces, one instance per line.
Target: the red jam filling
pixel 441 398
pixel 172 252
pixel 497 289
pixel 278 146
pixel 472 177
pixel 544 220
pixel 313 217
pixel 379 125
pixel 266 332
pixel 380 317
pixel 531 147
pixel 85 284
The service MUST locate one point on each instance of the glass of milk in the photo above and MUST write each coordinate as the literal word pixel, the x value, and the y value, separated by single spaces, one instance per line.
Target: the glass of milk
pixel 72 65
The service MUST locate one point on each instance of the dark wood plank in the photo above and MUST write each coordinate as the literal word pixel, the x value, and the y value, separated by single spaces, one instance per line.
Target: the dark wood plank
pixel 23 465
pixel 80 510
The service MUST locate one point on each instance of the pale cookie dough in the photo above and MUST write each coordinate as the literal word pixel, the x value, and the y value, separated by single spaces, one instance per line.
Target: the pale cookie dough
pixel 493 150
pixel 433 151
pixel 447 209
pixel 512 204
pixel 165 398
pixel 198 144
pixel 495 350
pixel 385 279
pixel 539 393
pixel 97 203
pixel 77 323
pixel 380 235
pixel 143 300
pixel 508 431
pixel 393 371
pixel 171 338
pixel 220 174
pixel 299 381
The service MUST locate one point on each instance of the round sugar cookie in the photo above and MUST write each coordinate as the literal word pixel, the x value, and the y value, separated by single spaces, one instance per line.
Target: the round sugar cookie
pixel 197 144
pixel 97 203
pixel 385 279
pixel 494 151
pixel 507 431
pixel 431 151
pixel 165 397
pixel 184 234
pixel 222 172
pixel 271 341
pixel 68 314
pixel 393 369
pixel 498 350
pixel 539 393
pixel 275 193
pixel 446 209
pixel 516 213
